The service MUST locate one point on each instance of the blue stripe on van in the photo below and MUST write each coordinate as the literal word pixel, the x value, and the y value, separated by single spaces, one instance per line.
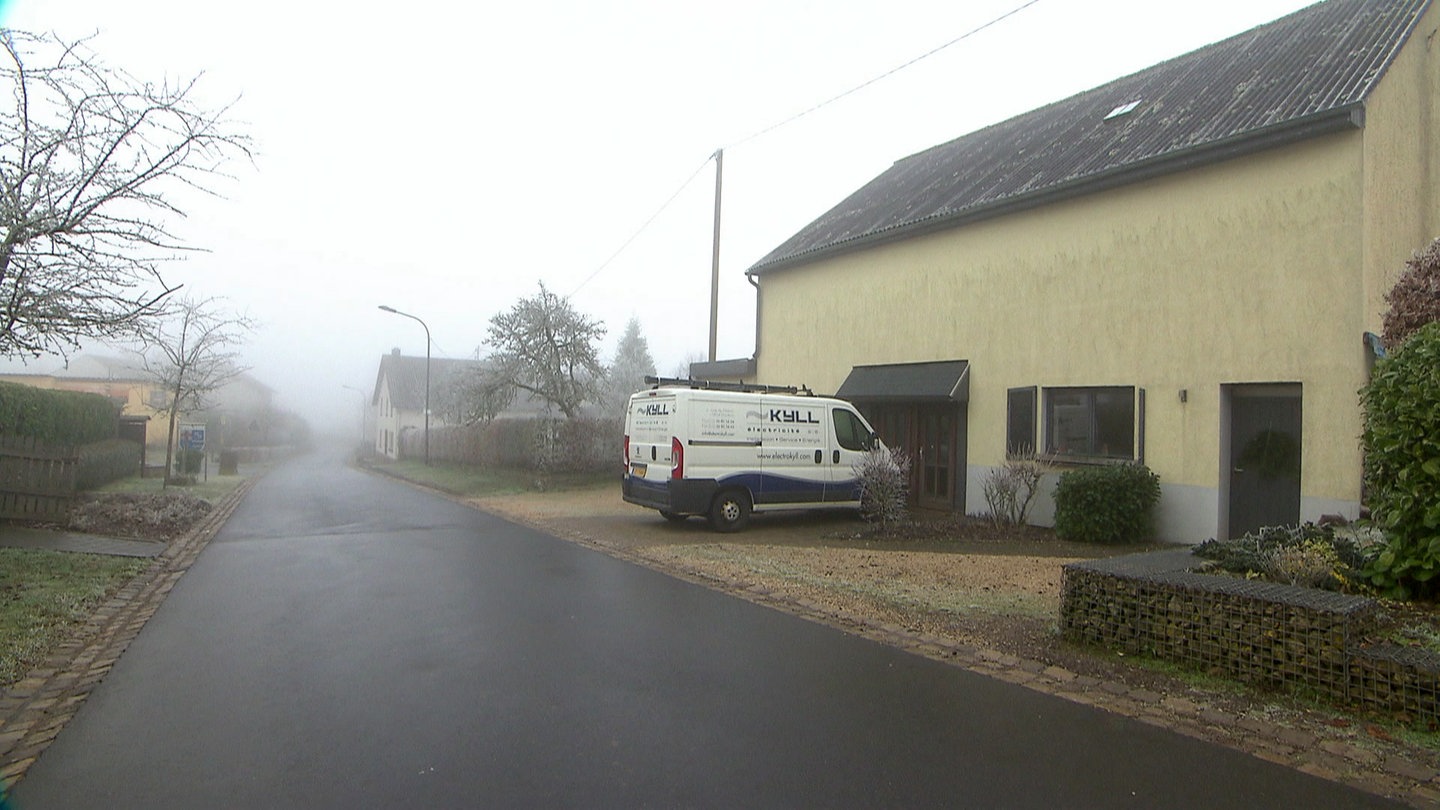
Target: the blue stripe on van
pixel 768 488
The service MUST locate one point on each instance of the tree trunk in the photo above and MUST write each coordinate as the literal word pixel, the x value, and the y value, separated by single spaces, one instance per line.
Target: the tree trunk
pixel 170 437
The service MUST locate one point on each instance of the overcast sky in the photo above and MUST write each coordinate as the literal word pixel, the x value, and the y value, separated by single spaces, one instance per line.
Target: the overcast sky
pixel 442 158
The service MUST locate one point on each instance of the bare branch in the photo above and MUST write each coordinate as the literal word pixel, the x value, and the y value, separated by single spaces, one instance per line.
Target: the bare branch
pixel 544 347
pixel 191 351
pixel 90 160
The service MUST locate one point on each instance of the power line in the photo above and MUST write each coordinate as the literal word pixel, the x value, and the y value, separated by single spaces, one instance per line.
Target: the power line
pixel 643 227
pixel 857 88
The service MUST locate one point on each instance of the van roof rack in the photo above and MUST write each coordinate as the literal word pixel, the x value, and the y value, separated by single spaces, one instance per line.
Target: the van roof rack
pixel 719 385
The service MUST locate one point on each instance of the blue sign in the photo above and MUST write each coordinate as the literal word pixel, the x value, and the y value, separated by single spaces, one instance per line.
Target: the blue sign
pixel 192 437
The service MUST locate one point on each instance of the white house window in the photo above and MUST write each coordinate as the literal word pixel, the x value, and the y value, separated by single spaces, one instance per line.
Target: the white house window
pixel 1090 423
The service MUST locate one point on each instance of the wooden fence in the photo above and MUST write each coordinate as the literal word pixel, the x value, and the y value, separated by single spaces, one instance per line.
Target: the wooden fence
pixel 36 482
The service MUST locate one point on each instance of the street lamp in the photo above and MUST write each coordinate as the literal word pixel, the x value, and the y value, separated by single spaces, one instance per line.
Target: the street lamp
pixel 395 311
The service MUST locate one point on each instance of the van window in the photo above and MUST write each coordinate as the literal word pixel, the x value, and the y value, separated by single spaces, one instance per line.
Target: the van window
pixel 850 432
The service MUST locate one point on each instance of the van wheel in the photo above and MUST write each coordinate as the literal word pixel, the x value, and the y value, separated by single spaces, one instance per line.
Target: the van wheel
pixel 730 510
pixel 672 517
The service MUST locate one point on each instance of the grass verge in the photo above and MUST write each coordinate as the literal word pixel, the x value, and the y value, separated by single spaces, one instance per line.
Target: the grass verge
pixel 45 595
pixel 217 487
pixel 469 482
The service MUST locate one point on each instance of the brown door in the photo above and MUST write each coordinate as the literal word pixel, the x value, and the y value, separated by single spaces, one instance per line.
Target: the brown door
pixel 935 457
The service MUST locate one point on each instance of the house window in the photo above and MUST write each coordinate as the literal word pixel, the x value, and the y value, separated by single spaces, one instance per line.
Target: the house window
pixel 1094 423
pixel 1020 421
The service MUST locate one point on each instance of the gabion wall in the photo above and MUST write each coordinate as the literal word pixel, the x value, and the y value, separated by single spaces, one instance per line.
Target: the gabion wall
pixel 1258 632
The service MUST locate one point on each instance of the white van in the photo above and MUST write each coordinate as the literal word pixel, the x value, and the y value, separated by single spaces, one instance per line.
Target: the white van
pixel 722 450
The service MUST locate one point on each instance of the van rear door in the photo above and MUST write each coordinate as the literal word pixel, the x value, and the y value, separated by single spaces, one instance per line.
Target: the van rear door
pixel 651 435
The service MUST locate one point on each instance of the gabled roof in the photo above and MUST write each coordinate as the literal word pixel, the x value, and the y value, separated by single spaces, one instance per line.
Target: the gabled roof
pixel 407 383
pixel 1300 76
pixel 407 378
pixel 101 367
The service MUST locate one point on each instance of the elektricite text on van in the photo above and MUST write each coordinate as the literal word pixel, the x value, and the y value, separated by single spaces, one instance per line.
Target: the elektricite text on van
pixel 723 450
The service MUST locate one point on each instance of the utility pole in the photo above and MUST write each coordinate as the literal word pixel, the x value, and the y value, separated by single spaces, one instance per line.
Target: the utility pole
pixel 715 257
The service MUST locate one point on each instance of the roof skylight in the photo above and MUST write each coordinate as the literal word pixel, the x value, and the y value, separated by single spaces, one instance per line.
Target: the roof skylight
pixel 1124 109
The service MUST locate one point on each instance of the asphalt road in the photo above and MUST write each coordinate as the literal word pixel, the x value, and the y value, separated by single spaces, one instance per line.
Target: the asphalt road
pixel 347 641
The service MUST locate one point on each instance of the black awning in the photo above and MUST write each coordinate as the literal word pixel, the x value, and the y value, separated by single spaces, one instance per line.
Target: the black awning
pixel 940 381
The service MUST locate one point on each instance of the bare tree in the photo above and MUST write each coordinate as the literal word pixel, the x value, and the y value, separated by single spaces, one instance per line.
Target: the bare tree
pixel 470 394
pixel 90 161
pixel 191 351
pixel 682 369
pixel 543 346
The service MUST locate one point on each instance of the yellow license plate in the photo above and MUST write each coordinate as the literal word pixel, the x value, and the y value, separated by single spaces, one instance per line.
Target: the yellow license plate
pixel 637 470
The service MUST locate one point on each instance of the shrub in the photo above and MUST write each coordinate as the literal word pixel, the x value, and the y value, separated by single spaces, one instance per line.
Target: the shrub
pixel 1415 298
pixel 884 481
pixel 1011 488
pixel 1308 555
pixel 103 462
pixel 59 418
pixel 1109 504
pixel 1312 564
pixel 1402 465
pixel 188 462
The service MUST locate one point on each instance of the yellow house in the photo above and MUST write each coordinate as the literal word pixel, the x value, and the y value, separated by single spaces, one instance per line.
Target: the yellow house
pixel 123 381
pixel 1179 267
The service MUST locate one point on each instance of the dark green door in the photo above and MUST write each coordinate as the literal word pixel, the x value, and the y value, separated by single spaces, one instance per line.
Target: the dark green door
pixel 1265 451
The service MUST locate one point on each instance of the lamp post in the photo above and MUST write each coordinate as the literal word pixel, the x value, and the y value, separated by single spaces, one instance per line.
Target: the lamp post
pixel 395 311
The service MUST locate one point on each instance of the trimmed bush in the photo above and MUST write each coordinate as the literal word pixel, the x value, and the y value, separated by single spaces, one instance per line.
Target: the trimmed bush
pixel 1109 504
pixel 1402 466
pixel 103 462
pixel 884 482
pixel 57 418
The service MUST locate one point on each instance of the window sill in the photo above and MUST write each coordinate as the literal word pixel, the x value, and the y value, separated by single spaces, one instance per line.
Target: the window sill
pixel 1057 460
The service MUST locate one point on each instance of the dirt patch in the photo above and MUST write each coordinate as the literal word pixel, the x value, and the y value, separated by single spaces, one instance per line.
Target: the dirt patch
pixel 152 516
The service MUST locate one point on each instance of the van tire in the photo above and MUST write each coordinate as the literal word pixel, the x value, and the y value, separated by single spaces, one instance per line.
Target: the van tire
pixel 730 510
pixel 672 517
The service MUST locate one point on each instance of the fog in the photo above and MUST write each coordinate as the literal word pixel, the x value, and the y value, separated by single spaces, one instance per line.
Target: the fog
pixel 443 158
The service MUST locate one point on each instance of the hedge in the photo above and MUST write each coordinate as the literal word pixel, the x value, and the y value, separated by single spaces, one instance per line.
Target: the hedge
pixel 57 418
pixel 545 445
pixel 106 461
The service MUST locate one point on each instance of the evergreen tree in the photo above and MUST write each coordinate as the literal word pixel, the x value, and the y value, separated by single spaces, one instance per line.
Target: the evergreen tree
pixel 632 364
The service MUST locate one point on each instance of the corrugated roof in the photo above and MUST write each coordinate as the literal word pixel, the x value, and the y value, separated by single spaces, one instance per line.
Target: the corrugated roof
pixel 1302 75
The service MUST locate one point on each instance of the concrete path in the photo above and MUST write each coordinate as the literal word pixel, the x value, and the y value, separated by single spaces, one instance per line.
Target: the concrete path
pixel 350 641
pixel 25 537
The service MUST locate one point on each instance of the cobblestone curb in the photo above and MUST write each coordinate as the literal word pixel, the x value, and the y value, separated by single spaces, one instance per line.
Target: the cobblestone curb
pixel 35 709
